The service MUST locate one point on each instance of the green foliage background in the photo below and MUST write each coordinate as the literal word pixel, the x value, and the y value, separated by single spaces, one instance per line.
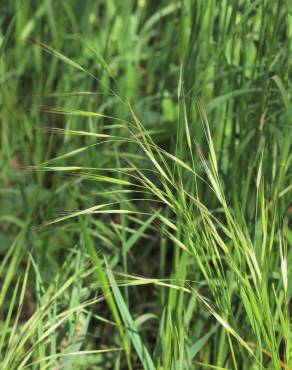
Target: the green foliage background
pixel 145 184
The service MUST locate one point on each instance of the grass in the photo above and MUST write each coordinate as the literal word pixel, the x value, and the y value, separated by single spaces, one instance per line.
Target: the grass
pixel 145 184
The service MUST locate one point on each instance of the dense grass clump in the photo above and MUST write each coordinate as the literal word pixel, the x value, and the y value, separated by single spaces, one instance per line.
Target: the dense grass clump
pixel 145 184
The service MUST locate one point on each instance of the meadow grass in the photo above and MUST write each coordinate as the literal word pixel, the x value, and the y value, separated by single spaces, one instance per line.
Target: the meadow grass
pixel 145 184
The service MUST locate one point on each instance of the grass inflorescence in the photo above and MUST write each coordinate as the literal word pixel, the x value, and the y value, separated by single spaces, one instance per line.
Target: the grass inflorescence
pixel 145 184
